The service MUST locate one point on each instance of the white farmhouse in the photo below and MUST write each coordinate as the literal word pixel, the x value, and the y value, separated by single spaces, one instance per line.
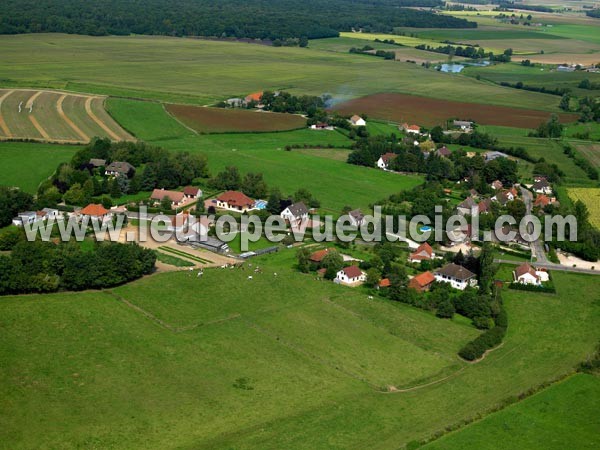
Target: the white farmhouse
pixel 457 276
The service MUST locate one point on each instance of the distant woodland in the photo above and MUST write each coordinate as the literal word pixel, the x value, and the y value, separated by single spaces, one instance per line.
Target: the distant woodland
pixel 255 19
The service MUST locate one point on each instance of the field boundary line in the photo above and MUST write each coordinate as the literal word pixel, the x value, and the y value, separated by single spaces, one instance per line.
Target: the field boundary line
pixel 95 118
pixel 41 140
pixel 62 114
pixel 3 125
pixel 38 127
pixel 177 120
pixel 166 325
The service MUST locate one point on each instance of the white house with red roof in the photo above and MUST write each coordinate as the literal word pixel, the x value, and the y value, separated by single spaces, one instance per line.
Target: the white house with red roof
pixel 527 274
pixel 350 276
pixel 192 192
pixel 177 198
pixel 235 201
pixel 357 121
pixel 384 160
pixel 411 129
pixel 423 253
pixel 95 211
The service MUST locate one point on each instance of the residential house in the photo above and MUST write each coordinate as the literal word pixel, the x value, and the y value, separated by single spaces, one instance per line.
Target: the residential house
pixel 254 97
pixel 484 206
pixel 192 192
pixel 95 211
pixel 423 253
pixel 235 201
pixel 318 256
pixel 467 207
pixel 492 155
pixel 350 276
pixel 295 214
pixel 177 198
pixel 526 274
pixel 457 276
pixel 421 282
pixel 464 125
pixel 384 283
pixel 119 168
pixel 541 201
pixel 96 162
pixel 411 129
pixel 322 126
pixel 541 186
pixel 497 185
pixel 444 152
pixel 356 217
pixel 27 217
pixel 235 102
pixel 502 197
pixel 357 121
pixel 384 160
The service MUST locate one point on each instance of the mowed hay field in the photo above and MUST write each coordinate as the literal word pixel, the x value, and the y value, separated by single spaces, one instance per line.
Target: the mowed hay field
pixel 222 120
pixel 591 198
pixel 53 116
pixel 427 111
pixel 238 363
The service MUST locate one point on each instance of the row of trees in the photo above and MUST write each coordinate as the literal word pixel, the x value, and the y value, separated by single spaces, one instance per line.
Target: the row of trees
pixel 47 267
pixel 78 182
pixel 468 52
pixel 259 19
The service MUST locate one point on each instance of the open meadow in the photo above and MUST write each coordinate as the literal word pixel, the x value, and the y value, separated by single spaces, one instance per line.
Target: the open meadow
pixel 180 70
pixel 26 165
pixel 222 361
pixel 562 416
pixel 54 116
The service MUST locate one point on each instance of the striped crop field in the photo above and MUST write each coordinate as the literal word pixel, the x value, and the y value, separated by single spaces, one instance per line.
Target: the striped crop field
pixel 55 116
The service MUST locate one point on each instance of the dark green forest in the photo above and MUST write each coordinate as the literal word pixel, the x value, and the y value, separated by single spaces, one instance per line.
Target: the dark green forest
pixel 256 19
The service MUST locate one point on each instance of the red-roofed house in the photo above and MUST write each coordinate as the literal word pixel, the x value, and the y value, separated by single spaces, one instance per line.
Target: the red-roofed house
pixel 350 276
pixel 177 198
pixel 357 121
pixel 496 185
pixel 96 211
pixel 384 282
pixel 318 256
pixel 384 160
pixel 192 192
pixel 526 274
pixel 421 282
pixel 254 97
pixel 235 201
pixel 413 129
pixel 423 253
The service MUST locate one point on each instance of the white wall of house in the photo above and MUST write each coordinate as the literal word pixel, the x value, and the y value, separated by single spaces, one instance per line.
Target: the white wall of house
pixel 456 284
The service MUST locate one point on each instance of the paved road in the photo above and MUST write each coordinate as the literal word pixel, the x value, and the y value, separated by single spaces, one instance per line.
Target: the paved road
pixel 537 247
pixel 551 266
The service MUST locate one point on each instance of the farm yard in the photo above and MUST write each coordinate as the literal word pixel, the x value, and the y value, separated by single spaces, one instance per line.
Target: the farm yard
pixel 221 120
pixel 202 362
pixel 591 198
pixel 53 116
pixel 427 111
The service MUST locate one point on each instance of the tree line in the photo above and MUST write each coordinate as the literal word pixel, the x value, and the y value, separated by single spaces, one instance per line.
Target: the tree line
pixel 48 267
pixel 257 19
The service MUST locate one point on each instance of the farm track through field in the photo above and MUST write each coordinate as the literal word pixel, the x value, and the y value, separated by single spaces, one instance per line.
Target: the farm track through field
pixel 62 114
pixel 3 125
pixel 88 109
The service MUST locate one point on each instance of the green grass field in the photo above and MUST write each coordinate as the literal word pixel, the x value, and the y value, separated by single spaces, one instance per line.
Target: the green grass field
pixel 238 363
pixel 334 182
pixel 562 416
pixel 192 71
pixel 26 165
